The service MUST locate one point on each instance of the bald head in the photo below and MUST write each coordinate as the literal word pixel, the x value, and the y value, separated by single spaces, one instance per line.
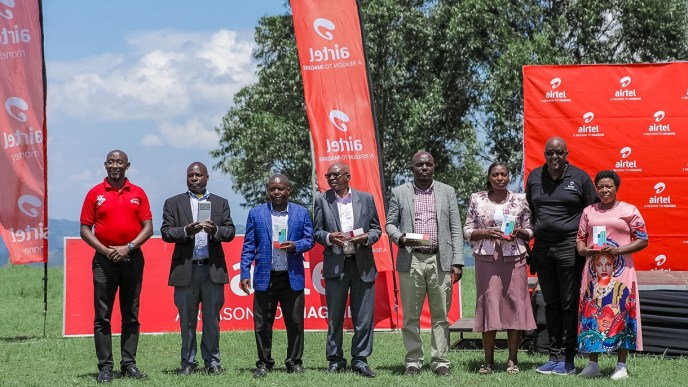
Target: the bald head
pixel 555 156
pixel 279 178
pixel 423 166
pixel 555 141
pixel 278 191
pixel 116 165
pixel 121 153
pixel 197 178
pixel 422 154
pixel 338 175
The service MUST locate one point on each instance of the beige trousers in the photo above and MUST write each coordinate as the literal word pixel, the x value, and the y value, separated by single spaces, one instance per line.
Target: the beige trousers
pixel 425 278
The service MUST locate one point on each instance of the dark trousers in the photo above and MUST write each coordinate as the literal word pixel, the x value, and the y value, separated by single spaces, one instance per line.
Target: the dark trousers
pixel 559 269
pixel 210 296
pixel 109 276
pixel 362 296
pixel 264 309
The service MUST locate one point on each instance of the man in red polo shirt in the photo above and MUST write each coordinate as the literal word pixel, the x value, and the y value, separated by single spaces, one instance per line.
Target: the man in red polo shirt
pixel 116 220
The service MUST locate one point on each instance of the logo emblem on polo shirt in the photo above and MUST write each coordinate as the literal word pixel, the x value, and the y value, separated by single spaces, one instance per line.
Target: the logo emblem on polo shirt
pixel 100 200
pixel 571 186
pixel 135 201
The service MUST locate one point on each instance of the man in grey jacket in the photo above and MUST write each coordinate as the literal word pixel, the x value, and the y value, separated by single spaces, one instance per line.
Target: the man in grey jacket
pixel 348 266
pixel 427 266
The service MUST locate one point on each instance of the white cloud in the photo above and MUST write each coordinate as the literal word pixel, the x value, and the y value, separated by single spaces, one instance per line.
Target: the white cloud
pixel 168 77
pixel 193 133
pixel 151 140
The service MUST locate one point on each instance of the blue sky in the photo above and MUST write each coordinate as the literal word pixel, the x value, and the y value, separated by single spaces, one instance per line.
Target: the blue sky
pixel 150 77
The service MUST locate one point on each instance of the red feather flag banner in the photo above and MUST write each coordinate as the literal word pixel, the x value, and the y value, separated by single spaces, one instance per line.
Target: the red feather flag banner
pixel 23 163
pixel 341 114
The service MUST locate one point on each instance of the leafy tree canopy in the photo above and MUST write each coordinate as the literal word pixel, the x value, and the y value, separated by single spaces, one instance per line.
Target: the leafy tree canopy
pixel 446 78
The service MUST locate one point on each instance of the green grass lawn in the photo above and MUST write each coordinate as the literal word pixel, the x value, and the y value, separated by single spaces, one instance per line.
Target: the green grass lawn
pixel 29 359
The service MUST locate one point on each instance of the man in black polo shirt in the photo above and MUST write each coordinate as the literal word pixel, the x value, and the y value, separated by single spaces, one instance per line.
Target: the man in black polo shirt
pixel 557 193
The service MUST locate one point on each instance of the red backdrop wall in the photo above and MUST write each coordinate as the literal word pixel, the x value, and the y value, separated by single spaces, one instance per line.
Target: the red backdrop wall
pixel 158 313
pixel 629 118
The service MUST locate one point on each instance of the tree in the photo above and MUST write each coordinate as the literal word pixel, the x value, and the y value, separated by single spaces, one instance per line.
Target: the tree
pixel 505 35
pixel 266 131
pixel 447 78
pixel 421 98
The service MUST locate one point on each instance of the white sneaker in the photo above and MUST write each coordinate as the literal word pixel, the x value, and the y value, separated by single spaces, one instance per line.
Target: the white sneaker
pixel 620 373
pixel 592 370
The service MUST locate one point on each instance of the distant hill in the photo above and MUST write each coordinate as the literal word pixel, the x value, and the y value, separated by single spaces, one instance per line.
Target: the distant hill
pixel 58 229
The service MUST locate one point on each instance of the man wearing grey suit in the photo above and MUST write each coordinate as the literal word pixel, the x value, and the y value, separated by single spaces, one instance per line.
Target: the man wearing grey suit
pixel 426 266
pixel 348 265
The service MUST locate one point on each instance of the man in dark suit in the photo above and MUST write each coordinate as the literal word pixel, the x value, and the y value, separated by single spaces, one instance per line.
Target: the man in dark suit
pixel 198 271
pixel 277 235
pixel 348 266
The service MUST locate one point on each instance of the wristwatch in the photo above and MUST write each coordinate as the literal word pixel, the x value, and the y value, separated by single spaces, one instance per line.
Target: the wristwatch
pixel 131 246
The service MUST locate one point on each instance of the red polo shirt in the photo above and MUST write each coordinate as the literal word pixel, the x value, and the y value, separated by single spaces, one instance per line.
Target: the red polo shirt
pixel 116 214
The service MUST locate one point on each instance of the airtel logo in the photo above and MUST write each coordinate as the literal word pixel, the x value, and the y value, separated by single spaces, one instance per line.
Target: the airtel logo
pixel 625 152
pixel 660 260
pixel 555 82
pixel 28 204
pixel 15 102
pixel 625 81
pixel 323 27
pixel 7 14
pixel 339 119
pixel 659 115
pixel 587 117
pixel 660 187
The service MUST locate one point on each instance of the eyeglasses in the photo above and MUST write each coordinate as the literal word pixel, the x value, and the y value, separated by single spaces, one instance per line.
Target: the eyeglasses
pixel 558 152
pixel 334 175
pixel 118 163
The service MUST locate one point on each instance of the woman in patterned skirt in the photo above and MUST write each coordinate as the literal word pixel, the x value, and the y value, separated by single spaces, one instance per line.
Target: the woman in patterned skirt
pixel 609 312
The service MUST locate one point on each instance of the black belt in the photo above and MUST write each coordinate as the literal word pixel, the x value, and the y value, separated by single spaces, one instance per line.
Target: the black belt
pixel 278 272
pixel 425 250
pixel 203 261
pixel 350 257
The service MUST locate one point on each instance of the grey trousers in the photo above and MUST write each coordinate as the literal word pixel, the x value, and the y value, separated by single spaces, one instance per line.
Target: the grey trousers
pixel 362 311
pixel 210 295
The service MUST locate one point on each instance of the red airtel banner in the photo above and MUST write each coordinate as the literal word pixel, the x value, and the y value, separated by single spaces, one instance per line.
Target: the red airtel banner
pixel 158 313
pixel 629 118
pixel 338 102
pixel 23 162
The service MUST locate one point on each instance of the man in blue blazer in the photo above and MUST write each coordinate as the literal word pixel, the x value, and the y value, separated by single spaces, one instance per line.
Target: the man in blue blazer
pixel 277 235
pixel 198 270
pixel 348 266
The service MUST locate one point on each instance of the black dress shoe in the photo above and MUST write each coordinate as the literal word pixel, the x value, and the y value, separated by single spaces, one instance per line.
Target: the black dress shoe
pixel 260 372
pixel 411 371
pixel 186 370
pixel 442 371
pixel 296 369
pixel 214 370
pixel 364 370
pixel 133 371
pixel 336 369
pixel 105 376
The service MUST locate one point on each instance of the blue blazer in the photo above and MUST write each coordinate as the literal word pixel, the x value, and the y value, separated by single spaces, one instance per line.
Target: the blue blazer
pixel 258 245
